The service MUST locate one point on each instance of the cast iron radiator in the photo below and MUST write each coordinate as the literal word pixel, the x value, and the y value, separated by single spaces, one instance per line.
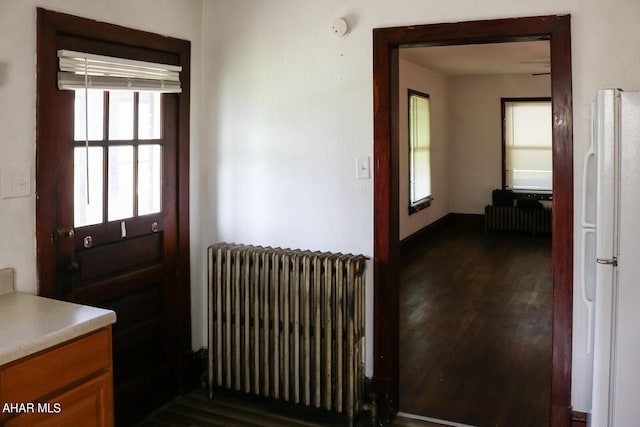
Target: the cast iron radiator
pixel 508 218
pixel 287 324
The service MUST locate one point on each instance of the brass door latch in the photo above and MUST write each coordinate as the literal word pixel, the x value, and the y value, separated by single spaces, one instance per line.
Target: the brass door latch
pixel 64 233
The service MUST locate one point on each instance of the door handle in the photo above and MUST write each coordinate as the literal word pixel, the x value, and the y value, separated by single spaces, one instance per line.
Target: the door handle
pixel 71 266
pixel 606 261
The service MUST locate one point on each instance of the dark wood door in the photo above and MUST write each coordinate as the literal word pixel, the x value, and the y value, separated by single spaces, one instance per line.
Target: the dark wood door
pixel 111 178
pixel 122 254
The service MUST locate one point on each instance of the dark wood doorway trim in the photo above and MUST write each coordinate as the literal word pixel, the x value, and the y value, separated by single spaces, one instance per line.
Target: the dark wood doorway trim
pixel 52 27
pixel 386 42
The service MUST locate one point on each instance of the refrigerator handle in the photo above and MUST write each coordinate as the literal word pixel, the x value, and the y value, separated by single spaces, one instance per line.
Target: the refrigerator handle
pixel 585 170
pixel 583 286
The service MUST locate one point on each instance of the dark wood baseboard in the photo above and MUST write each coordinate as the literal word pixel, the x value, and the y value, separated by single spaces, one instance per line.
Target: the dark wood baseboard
pixel 475 221
pixel 579 419
pixel 416 239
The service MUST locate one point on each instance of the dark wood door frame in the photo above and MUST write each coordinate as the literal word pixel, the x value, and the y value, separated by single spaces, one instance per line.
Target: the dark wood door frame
pixel 52 27
pixel 386 42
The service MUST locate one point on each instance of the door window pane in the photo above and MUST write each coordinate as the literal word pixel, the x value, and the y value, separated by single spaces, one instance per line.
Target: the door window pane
pixel 120 114
pixel 133 171
pixel 95 108
pixel 149 115
pixel 149 176
pixel 120 182
pixel 88 208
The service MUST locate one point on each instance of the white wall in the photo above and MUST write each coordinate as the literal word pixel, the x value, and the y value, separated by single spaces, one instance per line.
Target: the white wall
pixel 285 110
pixel 476 134
pixel 436 86
pixel 289 107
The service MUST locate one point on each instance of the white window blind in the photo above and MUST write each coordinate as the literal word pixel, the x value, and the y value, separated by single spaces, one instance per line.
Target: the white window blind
pixel 528 154
pixel 79 70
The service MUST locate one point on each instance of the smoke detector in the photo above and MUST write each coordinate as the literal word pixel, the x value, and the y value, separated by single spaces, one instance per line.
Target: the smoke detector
pixel 339 27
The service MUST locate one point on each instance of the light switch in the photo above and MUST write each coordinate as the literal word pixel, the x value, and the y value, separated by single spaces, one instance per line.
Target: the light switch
pixel 363 170
pixel 16 182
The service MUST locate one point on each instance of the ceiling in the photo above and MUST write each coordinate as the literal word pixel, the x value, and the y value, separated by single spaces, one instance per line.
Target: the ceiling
pixel 529 57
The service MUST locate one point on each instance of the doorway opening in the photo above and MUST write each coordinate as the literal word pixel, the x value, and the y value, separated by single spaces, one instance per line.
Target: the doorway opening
pixel 387 42
pixel 475 295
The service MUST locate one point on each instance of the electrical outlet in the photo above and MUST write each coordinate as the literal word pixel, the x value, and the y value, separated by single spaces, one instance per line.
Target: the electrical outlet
pixel 16 182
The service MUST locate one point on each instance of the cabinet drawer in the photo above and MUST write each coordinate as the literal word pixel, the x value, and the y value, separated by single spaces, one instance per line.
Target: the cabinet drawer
pixel 44 373
pixel 87 405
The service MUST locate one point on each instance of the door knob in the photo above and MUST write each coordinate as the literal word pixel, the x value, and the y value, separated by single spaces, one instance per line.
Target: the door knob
pixel 72 267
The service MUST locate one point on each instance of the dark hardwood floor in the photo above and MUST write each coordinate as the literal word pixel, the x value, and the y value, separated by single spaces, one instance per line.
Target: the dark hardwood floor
pixel 229 409
pixel 475 328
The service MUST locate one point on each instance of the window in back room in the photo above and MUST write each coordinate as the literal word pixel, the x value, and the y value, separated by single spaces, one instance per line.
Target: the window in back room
pixel 419 151
pixel 527 155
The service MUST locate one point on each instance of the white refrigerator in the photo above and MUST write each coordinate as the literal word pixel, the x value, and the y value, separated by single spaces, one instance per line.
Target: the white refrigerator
pixel 611 258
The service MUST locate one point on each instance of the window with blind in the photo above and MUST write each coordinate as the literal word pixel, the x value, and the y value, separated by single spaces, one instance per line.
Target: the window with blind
pixel 527 149
pixel 419 151
pixel 118 139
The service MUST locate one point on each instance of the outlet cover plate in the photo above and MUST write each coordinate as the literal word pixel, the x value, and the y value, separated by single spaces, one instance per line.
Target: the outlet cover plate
pixel 363 168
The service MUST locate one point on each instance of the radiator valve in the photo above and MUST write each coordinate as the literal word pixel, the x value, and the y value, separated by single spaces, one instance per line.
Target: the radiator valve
pixel 371 407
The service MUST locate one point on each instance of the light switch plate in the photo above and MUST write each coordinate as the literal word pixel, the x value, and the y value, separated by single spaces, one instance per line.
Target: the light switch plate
pixel 363 169
pixel 16 182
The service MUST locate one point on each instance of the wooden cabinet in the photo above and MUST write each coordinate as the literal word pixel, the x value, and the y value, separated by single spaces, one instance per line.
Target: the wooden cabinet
pixel 68 385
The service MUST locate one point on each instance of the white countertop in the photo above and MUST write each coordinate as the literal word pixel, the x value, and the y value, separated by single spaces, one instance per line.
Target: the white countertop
pixel 30 323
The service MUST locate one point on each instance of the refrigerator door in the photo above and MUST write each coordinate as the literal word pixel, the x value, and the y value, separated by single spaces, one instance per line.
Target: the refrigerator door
pixel 607 142
pixel 601 400
pixel 607 135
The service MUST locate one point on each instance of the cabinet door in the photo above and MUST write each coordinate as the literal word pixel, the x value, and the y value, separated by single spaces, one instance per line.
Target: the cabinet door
pixel 88 405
